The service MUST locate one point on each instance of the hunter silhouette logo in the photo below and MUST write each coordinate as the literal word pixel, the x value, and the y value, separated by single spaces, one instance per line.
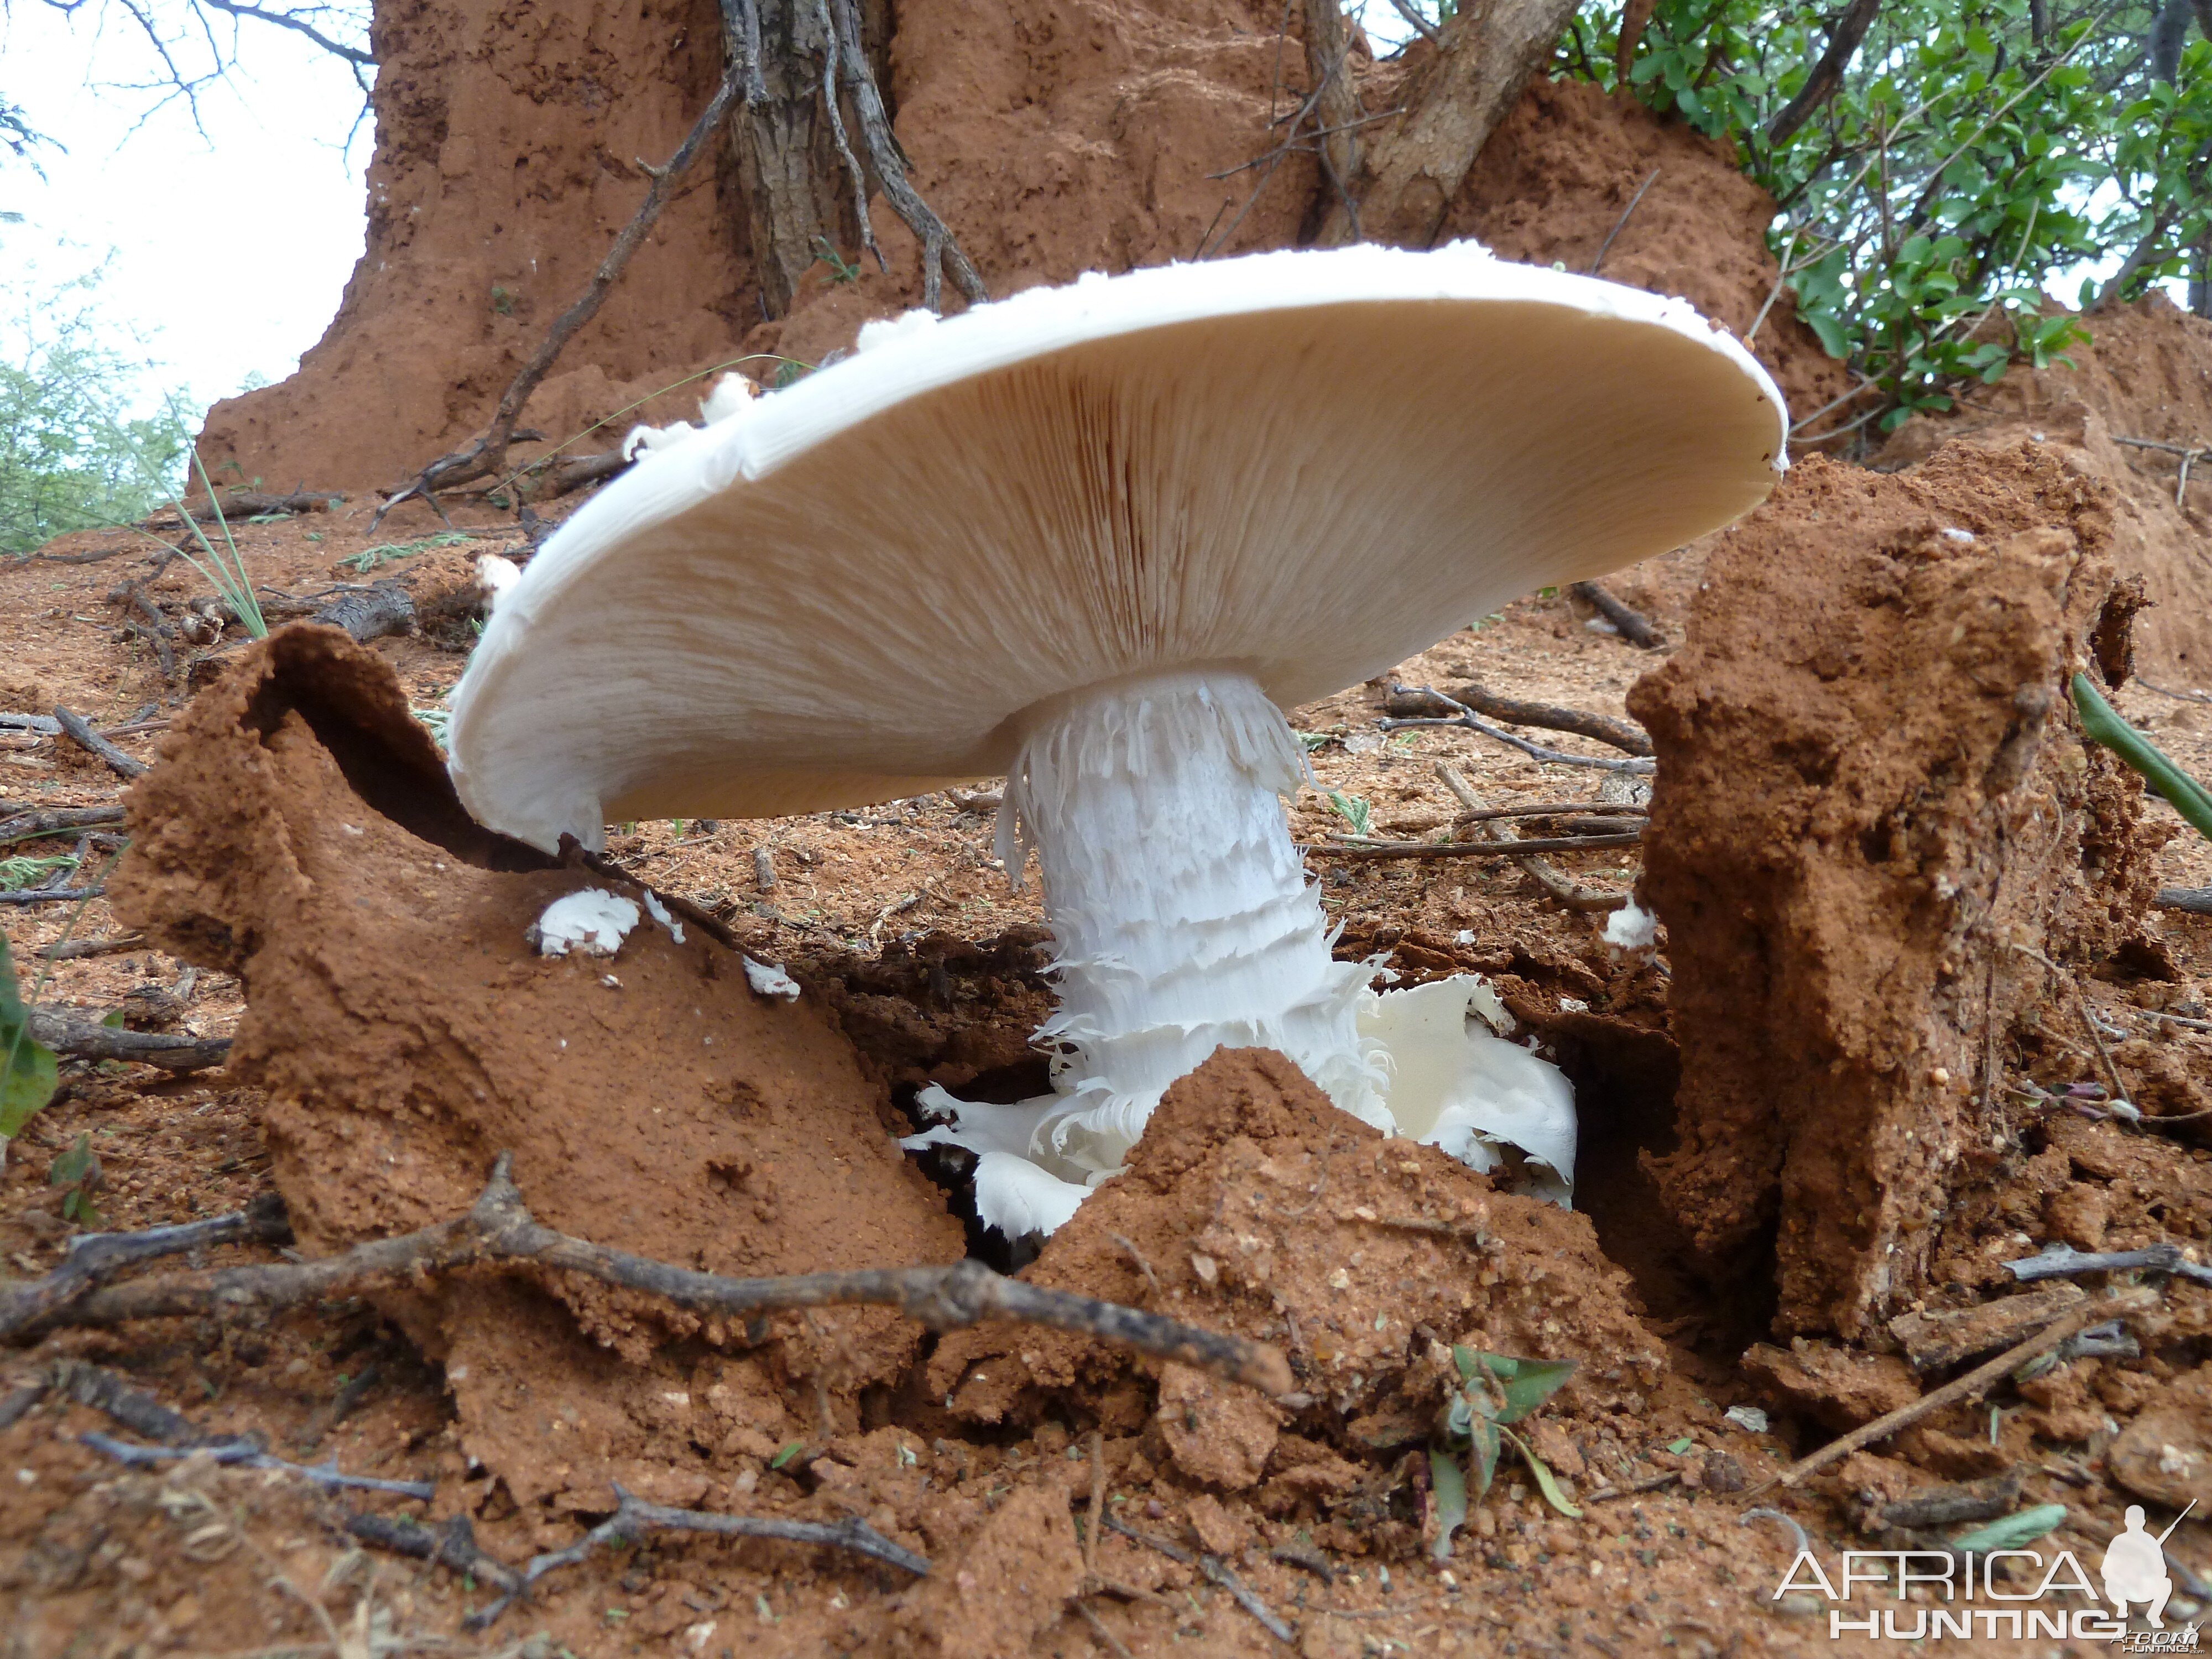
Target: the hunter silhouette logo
pixel 2028 1590
pixel 2134 1567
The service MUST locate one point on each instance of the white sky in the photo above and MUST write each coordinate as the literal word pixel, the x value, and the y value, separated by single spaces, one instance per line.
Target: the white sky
pixel 225 254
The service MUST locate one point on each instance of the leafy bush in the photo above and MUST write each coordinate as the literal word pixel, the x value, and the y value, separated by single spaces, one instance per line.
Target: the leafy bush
pixel 64 465
pixel 1966 156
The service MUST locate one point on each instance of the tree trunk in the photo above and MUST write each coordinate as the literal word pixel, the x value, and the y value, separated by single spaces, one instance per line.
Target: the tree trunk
pixel 1336 103
pixel 788 167
pixel 1488 49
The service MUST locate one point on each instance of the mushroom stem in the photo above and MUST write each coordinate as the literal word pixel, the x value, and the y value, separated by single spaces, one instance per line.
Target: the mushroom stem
pixel 1181 910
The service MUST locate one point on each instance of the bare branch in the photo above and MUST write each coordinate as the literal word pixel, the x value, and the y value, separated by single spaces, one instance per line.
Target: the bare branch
pixel 1827 75
pixel 484 455
pixel 499 1229
pixel 299 25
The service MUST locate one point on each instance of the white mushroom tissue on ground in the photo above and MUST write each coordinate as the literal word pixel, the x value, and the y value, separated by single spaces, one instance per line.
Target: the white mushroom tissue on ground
pixel 1095 540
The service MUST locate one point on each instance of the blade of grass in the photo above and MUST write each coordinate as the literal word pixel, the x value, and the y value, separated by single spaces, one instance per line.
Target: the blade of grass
pixel 230 579
pixel 2102 721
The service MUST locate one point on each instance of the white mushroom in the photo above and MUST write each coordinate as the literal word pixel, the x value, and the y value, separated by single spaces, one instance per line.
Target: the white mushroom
pixel 1095 538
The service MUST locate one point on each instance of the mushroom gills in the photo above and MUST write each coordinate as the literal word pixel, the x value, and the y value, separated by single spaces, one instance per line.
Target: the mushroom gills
pixel 1183 923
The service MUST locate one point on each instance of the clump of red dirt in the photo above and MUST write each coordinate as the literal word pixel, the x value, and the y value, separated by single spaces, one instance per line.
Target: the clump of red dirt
pixel 2147 374
pixel 1252 1204
pixel 1877 834
pixel 300 832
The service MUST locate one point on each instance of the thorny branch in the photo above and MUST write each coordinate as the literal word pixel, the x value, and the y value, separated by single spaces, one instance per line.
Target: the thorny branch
pixel 499 1229
pixel 1216 1572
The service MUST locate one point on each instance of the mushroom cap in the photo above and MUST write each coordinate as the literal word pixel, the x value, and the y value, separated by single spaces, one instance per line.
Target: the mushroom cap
pixel 1304 465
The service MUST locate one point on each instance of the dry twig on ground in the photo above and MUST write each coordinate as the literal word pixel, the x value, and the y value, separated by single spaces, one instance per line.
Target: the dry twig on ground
pixel 1963 1388
pixel 1563 888
pixel 78 730
pixel 95 1258
pixel 31 825
pixel 1216 1572
pixel 1467 718
pixel 68 1031
pixel 1623 735
pixel 499 1229
pixel 1632 625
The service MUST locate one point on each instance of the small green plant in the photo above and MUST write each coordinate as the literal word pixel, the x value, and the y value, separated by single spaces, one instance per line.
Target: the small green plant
pixel 77 1172
pixel 19 873
pixel 370 558
pixel 2103 722
pixel 790 372
pixel 1354 810
pixel 839 271
pixel 784 1457
pixel 1494 1391
pixel 30 1071
pixel 226 575
pixel 2012 1532
pixel 437 718
pixel 503 300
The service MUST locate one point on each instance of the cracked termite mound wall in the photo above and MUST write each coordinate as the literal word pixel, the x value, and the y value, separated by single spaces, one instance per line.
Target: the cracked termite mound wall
pixel 1876 828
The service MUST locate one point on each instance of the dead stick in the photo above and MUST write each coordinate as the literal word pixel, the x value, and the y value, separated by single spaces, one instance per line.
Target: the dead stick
pixel 79 732
pixel 1963 1388
pixel 1563 888
pixel 1639 765
pixel 67 1032
pixel 1215 1569
pixel 58 821
pixel 1479 849
pixel 2096 1036
pixel 1549 809
pixel 1623 735
pixel 75 950
pixel 485 454
pixel 1635 626
pixel 1115 1645
pixel 1621 223
pixel 499 1229
pixel 95 1258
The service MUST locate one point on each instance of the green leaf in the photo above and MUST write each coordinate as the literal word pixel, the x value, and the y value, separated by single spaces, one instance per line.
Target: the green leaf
pixel 2102 721
pixel 30 1072
pixel 1526 1383
pixel 1448 1482
pixel 1485 1453
pixel 1679 1447
pixel 1547 1482
pixel 2013 1531
pixel 70 1169
pixel 785 1456
pixel 1353 810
